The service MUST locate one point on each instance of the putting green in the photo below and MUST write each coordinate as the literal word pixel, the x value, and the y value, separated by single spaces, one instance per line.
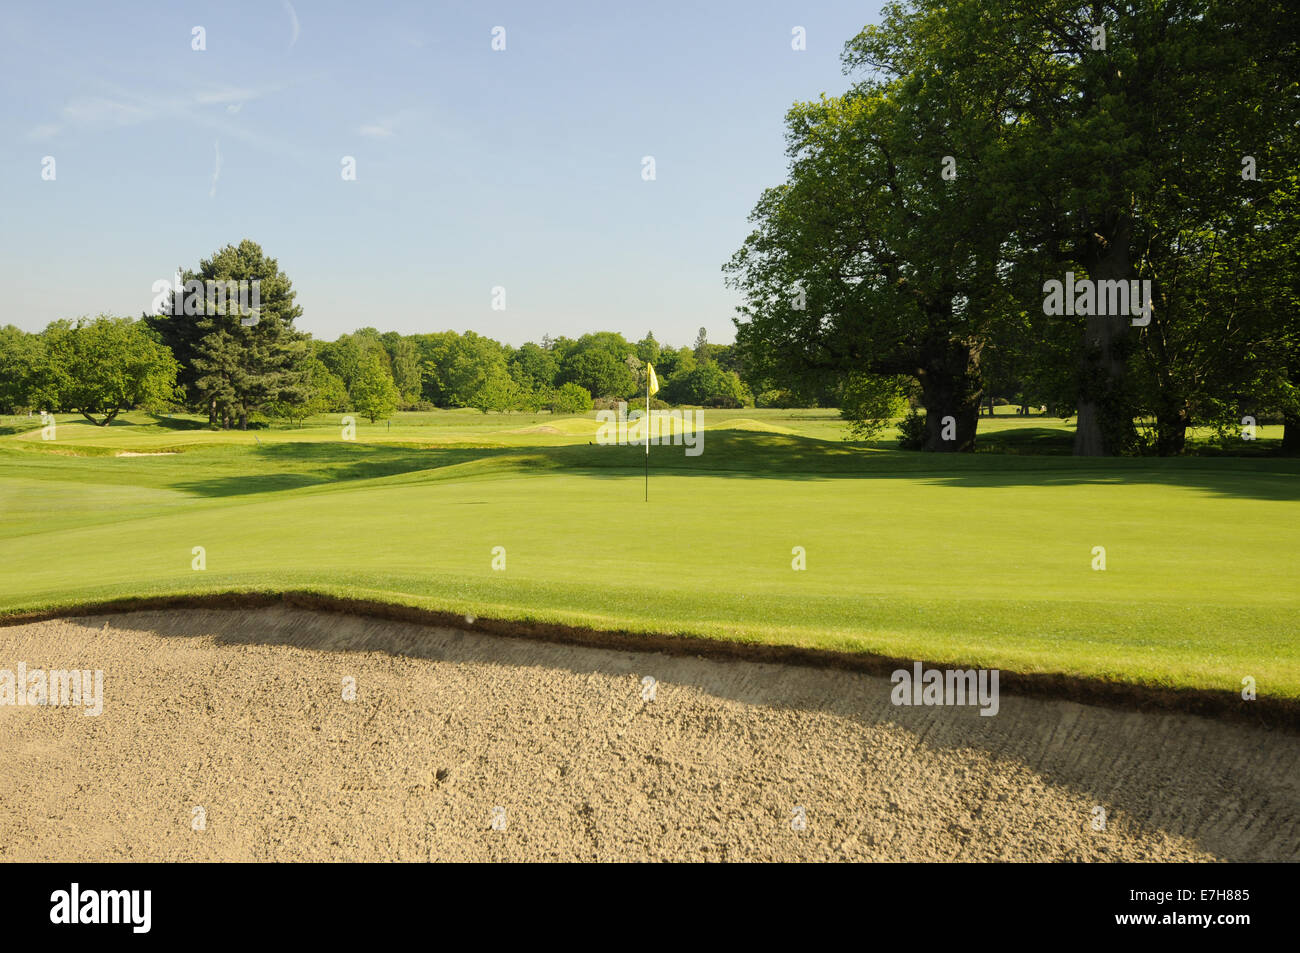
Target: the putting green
pixel 983 560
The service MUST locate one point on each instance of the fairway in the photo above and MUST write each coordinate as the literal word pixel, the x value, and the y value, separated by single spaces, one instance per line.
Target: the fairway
pixel 979 560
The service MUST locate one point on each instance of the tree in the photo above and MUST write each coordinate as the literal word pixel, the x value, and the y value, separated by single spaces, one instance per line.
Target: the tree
pixel 182 334
pixel 474 374
pixel 1018 101
pixel 571 399
pixel 729 358
pixel 867 260
pixel 325 394
pixel 707 385
pixel 103 367
pixel 532 371
pixel 560 347
pixel 219 376
pixel 347 356
pixel 404 362
pixel 498 393
pixel 673 361
pixel 20 356
pixel 433 351
pixel 647 349
pixel 233 367
pixel 1222 248
pixel 1114 160
pixel 702 348
pixel 1123 148
pixel 374 394
pixel 599 371
pixel 534 367
pixel 329 395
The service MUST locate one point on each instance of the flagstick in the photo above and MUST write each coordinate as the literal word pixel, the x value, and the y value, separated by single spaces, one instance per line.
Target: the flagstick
pixel 646 429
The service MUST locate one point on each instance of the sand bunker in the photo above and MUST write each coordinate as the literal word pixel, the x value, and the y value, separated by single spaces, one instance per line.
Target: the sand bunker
pixel 461 746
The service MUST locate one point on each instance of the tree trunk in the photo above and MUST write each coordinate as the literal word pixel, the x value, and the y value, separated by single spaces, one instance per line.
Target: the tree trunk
pixel 1105 418
pixel 1171 430
pixel 1291 434
pixel 951 391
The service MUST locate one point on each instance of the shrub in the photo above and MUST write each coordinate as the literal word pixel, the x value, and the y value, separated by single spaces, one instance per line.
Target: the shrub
pixel 708 385
pixel 912 431
pixel 571 398
pixel 781 399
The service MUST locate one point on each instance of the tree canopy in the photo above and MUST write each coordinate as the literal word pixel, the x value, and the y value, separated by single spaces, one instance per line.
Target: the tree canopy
pixel 991 146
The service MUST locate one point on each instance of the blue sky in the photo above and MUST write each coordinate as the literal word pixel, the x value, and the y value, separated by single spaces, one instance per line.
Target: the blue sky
pixel 475 168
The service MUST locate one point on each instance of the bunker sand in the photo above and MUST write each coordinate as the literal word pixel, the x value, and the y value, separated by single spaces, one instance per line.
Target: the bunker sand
pixel 242 714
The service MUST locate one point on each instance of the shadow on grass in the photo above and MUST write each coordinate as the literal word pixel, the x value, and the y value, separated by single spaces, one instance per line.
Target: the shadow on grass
pixel 291 466
pixel 177 423
pixel 747 454
pixel 1039 441
pixel 743 454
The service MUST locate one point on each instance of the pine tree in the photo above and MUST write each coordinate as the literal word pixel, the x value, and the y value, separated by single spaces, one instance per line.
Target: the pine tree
pixel 236 368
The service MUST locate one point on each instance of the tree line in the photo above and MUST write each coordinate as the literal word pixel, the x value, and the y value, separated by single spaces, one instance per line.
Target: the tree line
pixel 992 147
pixel 236 368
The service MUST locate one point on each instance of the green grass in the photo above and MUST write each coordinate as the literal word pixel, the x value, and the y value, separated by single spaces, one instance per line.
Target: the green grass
pixel 980 559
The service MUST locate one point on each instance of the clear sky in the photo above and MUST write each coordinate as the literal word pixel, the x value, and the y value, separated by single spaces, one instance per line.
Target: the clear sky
pixel 475 168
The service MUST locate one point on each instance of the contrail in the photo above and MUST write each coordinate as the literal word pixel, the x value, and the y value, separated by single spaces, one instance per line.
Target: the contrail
pixel 216 172
pixel 293 18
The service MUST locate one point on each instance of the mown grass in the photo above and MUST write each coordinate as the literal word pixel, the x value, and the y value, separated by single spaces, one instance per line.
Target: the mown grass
pixel 980 559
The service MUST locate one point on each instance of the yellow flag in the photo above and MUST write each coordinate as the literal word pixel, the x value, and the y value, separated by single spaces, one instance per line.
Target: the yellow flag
pixel 652 382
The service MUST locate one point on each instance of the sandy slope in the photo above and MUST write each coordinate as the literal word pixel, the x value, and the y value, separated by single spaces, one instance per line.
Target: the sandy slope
pixel 242 713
